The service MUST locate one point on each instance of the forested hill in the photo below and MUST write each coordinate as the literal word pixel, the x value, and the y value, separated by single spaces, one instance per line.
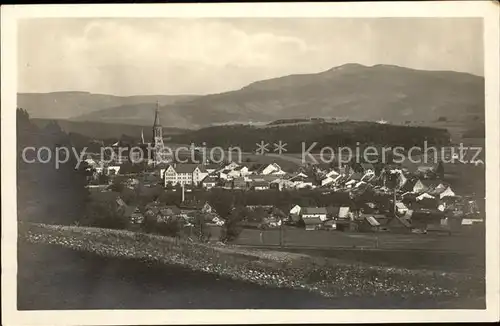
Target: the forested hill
pixel 46 194
pixel 392 93
pixel 347 133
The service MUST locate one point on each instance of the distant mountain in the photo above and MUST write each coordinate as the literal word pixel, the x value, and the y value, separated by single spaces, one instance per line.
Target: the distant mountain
pixel 352 91
pixel 138 114
pixel 64 105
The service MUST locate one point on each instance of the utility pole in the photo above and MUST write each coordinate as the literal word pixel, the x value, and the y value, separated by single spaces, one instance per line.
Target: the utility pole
pixel 281 232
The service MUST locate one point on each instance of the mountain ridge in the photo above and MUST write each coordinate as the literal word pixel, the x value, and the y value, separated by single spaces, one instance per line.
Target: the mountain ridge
pixel 71 104
pixel 359 92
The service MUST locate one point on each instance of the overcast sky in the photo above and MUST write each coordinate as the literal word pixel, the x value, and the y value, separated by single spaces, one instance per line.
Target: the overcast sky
pixel 201 56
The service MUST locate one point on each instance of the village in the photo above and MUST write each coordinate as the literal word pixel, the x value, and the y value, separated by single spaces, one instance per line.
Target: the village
pixel 159 192
pixel 386 198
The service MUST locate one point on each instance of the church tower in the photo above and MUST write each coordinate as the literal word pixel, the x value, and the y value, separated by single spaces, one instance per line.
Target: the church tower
pixel 157 136
pixel 157 129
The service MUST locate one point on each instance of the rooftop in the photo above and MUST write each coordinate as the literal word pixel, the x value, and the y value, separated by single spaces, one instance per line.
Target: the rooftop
pixel 314 210
pixel 187 167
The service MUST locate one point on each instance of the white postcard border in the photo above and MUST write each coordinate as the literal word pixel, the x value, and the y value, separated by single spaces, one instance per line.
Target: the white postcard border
pixel 489 10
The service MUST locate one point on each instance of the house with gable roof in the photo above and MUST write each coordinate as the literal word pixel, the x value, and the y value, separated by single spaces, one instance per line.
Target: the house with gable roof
pixel 314 212
pixel 184 174
pixel 272 168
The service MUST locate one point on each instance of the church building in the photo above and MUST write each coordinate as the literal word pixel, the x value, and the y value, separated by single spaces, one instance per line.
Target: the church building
pixel 156 149
pixel 160 153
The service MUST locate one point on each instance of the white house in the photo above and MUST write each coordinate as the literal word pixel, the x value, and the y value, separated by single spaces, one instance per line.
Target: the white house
pixel 113 169
pixel 272 168
pixel 295 210
pixel 209 182
pixel 211 168
pixel 300 184
pixel 344 212
pixel 218 221
pixel 368 177
pixel 224 174
pixel 331 178
pixel 279 172
pixel 359 183
pixel 261 185
pixel 401 208
pixel 301 174
pixel 243 170
pixel 327 181
pixel 299 181
pixel 424 195
pixel 333 174
pixel 447 193
pixel 282 184
pixel 419 187
pixel 184 174
pixel 239 171
pixel 350 183
pixel 91 162
pixel 233 174
pixel 314 212
pixel 231 166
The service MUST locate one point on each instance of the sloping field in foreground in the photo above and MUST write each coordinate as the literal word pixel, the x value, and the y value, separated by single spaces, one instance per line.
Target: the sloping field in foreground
pixel 327 276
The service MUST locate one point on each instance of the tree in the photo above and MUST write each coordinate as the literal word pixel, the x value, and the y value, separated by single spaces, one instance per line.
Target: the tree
pixel 200 229
pixel 104 215
pixel 103 179
pixel 129 196
pixel 37 181
pixel 222 202
pixel 117 186
pixel 232 227
pixel 171 228
pixel 440 170
pixel 170 198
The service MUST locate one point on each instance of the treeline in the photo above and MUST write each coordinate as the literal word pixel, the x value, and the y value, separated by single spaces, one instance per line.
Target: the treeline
pixel 223 201
pixel 46 193
pixel 325 134
pixel 297 120
pixel 103 130
pixel 475 132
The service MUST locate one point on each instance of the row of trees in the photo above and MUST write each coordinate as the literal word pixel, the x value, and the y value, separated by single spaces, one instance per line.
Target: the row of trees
pixel 53 194
pixel 326 134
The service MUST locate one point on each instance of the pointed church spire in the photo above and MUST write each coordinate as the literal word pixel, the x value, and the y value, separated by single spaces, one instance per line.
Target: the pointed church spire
pixel 157 114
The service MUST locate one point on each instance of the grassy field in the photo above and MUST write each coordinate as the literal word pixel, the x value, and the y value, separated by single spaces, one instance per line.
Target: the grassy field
pixel 328 276
pixel 468 241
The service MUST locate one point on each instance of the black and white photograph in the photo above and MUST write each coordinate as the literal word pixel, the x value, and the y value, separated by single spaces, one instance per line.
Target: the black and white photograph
pixel 307 160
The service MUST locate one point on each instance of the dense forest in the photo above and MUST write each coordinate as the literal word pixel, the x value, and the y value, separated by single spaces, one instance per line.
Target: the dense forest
pixel 339 134
pixel 45 193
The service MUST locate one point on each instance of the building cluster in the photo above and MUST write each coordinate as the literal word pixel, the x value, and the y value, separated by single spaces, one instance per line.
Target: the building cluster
pixel 418 199
pixel 154 210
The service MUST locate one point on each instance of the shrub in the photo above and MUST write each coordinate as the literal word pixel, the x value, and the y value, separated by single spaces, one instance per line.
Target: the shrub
pixel 104 215
pixel 170 227
pixel 232 227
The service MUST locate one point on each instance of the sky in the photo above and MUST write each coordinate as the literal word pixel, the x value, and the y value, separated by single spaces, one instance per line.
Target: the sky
pixel 142 56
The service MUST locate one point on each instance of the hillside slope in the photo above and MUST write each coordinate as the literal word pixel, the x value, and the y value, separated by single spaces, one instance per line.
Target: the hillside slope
pixel 64 105
pixel 358 92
